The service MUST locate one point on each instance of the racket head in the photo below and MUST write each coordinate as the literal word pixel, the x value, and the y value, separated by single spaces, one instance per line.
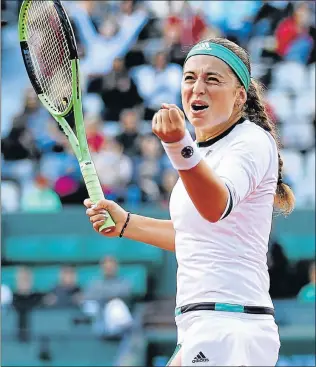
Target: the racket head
pixel 48 47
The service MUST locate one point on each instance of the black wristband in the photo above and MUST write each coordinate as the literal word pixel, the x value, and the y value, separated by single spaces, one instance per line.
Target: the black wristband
pixel 125 225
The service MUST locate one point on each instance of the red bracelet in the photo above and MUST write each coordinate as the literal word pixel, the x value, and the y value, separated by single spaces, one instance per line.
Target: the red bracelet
pixel 125 225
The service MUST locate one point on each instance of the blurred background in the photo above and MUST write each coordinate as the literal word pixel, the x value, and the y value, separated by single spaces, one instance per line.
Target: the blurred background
pixel 72 298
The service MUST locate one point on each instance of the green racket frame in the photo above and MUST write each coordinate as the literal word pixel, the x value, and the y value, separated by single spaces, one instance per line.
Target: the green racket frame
pixel 78 143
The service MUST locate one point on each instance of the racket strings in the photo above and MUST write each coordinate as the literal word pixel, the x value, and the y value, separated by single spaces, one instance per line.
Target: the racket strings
pixel 50 53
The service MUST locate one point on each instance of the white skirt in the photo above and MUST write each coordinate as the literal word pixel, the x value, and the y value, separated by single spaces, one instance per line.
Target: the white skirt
pixel 215 338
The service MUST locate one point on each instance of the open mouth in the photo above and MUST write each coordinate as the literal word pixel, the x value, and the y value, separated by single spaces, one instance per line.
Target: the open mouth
pixel 196 106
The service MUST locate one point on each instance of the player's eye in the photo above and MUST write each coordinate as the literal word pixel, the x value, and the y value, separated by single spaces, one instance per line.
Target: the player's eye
pixel 188 77
pixel 212 79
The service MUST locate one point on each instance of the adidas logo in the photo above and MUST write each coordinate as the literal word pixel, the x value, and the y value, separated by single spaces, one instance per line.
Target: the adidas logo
pixel 202 46
pixel 200 358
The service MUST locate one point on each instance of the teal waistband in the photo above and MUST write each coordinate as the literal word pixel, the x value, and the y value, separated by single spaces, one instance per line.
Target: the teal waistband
pixel 217 307
pixel 226 307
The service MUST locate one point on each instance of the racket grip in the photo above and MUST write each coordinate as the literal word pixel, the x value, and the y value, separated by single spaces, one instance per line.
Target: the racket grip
pixel 95 191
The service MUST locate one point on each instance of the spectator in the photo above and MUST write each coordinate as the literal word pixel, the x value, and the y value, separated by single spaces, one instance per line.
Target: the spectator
pixel 312 33
pixel 157 83
pixel 268 17
pixel 117 90
pixel 114 36
pixel 132 59
pixel 293 42
pixel 19 152
pixel 127 7
pixel 95 136
pixel 111 293
pixel 307 293
pixel 129 137
pixel 187 25
pixel 110 285
pixel 24 301
pixel 67 293
pixel 233 18
pixel 40 197
pixel 114 168
pixel 6 297
pixel 3 10
pixel 149 167
pixel 62 170
pixel 38 121
pixel 280 273
pixel 180 29
pixel 169 179
pixel 10 195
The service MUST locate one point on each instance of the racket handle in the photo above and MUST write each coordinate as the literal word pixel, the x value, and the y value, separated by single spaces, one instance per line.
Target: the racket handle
pixel 95 191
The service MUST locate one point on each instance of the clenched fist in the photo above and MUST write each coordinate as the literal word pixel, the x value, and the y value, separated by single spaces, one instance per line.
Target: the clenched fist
pixel 99 212
pixel 168 123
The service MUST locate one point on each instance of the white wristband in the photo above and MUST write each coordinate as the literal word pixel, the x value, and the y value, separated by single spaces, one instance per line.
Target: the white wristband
pixel 183 154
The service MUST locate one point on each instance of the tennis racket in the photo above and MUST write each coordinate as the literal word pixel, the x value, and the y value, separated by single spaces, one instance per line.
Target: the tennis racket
pixel 51 59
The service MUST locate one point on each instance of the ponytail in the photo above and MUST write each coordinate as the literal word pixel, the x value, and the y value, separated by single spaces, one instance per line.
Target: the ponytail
pixel 255 111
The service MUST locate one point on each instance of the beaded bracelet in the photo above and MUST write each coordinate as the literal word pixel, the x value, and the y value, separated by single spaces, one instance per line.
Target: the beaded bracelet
pixel 125 225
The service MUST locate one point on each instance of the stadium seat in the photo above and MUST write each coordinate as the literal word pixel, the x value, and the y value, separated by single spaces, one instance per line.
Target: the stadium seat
pixel 10 196
pixel 65 351
pixel 298 246
pixel 282 77
pixel 46 277
pixel 82 249
pixel 304 108
pixel 136 274
pixel 292 165
pixel 310 164
pixel 311 77
pixel 298 136
pixel 42 248
pixel 309 179
pixel 281 104
pixel 66 346
pixel 126 251
pixel 19 354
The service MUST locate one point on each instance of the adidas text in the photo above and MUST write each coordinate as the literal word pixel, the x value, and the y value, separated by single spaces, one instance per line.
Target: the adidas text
pixel 200 358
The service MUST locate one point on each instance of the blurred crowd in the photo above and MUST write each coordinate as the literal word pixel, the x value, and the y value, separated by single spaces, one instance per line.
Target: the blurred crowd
pixel 131 56
pixel 290 279
pixel 104 303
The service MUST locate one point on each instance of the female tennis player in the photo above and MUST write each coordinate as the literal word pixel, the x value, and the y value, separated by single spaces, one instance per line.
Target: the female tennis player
pixel 221 211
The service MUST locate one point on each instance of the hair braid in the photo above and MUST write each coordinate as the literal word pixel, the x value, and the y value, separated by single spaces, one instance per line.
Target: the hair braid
pixel 255 111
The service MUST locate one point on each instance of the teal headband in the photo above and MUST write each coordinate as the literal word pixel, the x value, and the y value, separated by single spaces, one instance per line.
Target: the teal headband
pixel 223 53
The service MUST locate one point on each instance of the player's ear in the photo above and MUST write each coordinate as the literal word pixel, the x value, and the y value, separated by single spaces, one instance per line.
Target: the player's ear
pixel 242 96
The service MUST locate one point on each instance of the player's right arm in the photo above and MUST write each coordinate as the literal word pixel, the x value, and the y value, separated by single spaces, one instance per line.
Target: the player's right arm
pixel 155 232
